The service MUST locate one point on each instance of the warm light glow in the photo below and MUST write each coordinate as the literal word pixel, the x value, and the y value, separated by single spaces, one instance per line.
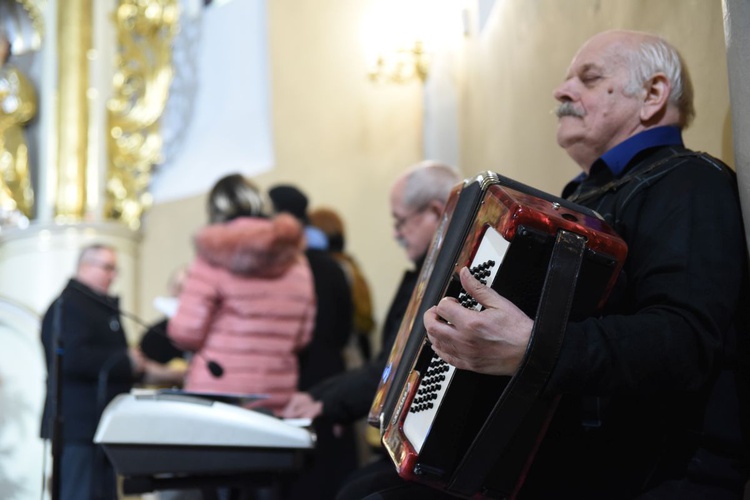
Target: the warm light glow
pixel 399 36
pixel 402 65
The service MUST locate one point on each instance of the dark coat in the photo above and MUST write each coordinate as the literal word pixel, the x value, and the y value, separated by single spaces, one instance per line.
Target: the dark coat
pixel 323 357
pixel 335 455
pixel 94 351
pixel 649 388
pixel 156 344
pixel 348 397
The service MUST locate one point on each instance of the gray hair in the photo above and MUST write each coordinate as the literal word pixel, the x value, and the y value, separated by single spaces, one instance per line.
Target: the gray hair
pixel 87 253
pixel 429 181
pixel 655 55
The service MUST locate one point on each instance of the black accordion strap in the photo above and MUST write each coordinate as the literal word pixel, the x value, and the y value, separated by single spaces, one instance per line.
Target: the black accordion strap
pixel 638 171
pixel 524 388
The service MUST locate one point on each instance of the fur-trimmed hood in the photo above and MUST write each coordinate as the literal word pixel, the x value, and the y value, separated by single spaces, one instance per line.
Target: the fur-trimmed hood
pixel 252 245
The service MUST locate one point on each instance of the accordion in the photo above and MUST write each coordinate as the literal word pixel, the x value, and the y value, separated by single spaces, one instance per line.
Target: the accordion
pixel 470 434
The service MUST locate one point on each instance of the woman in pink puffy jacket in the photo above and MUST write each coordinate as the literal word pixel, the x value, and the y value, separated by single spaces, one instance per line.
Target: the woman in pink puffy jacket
pixel 248 302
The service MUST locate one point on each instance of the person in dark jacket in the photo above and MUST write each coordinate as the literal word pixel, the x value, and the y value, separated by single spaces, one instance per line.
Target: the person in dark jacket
pixel 331 223
pixel 335 454
pixel 417 200
pixel 155 343
pixel 84 325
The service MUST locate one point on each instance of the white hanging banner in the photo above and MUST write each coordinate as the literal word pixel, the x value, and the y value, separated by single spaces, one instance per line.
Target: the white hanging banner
pixel 225 103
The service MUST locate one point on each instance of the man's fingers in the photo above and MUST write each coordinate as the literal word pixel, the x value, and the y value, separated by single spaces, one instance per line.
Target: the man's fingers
pixel 483 294
pixel 439 329
pixel 445 311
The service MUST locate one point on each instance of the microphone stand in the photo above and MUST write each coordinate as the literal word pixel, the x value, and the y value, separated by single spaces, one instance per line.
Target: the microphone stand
pixel 57 396
pixel 214 367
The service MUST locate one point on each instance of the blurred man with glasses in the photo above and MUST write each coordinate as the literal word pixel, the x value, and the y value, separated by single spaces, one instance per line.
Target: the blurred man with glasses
pixel 85 343
pixel 417 200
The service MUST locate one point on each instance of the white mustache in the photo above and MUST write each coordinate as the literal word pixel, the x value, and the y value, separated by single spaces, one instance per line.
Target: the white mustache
pixel 568 109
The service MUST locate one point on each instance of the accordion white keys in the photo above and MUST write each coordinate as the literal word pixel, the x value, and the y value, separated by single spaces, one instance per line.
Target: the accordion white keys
pixel 470 434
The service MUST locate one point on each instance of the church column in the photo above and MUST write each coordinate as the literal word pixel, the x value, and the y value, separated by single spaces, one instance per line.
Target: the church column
pixel 106 72
pixel 74 42
pixel 737 36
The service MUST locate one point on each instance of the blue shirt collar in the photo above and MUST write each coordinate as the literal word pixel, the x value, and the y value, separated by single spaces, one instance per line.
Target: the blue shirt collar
pixel 619 156
pixel 316 238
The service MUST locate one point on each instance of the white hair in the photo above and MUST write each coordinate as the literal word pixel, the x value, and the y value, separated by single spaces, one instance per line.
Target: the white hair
pixel 655 55
pixel 429 181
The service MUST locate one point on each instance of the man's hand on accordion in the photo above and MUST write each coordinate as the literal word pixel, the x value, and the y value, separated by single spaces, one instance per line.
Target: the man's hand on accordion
pixel 491 341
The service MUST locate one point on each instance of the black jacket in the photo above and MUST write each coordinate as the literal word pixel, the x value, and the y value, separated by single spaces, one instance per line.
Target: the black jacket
pixel 348 397
pixel 323 356
pixel 636 382
pixel 335 456
pixel 156 344
pixel 94 350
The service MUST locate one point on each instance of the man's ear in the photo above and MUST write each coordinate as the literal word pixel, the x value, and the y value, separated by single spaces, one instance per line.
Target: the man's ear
pixel 655 101
pixel 436 207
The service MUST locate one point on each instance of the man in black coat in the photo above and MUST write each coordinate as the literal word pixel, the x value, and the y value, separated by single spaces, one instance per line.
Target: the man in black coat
pixel 651 388
pixel 84 327
pixel 417 200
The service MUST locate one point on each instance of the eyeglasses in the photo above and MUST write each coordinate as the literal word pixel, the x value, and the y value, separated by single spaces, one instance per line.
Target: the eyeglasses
pixel 106 266
pixel 400 221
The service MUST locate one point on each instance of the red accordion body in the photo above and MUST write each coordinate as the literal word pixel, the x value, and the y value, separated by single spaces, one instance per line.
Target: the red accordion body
pixel 471 434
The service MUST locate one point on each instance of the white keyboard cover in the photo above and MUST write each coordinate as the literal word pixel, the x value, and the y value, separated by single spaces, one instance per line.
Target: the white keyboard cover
pixel 155 419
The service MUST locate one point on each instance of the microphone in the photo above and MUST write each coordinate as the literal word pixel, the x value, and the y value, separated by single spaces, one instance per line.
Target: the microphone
pixel 214 367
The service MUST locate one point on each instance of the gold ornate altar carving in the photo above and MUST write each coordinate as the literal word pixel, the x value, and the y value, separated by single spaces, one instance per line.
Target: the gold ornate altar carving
pixel 17 106
pixel 145 30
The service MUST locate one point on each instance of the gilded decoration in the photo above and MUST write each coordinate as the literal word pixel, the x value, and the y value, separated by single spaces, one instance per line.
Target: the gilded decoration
pixel 21 30
pixel 17 107
pixel 144 71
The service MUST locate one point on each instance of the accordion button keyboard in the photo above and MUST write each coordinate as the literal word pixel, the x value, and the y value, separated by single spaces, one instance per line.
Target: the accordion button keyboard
pixel 430 385
pixel 437 377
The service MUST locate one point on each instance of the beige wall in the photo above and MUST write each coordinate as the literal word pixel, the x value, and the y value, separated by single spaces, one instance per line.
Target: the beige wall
pixel 343 139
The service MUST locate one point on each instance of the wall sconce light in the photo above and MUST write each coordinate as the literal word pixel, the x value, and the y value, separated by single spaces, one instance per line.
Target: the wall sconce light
pixel 402 66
